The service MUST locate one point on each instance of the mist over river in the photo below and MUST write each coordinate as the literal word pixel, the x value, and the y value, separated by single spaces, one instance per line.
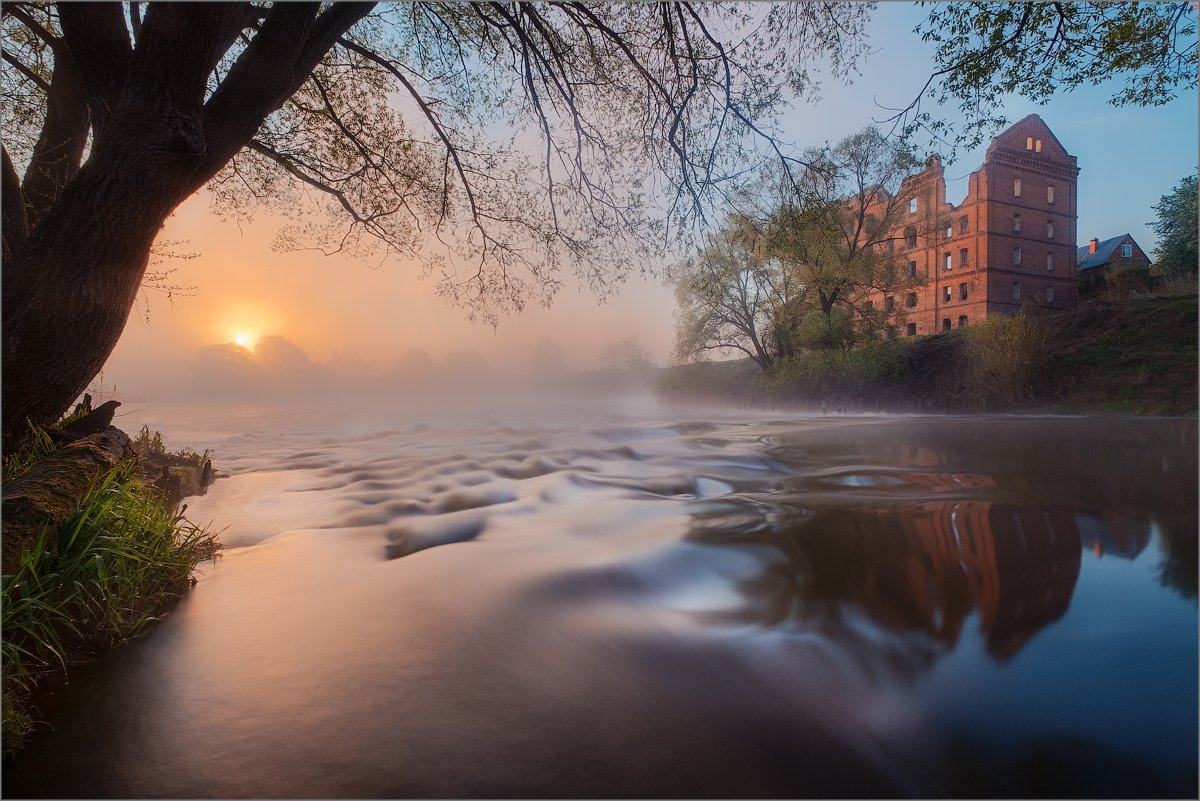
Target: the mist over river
pixel 614 599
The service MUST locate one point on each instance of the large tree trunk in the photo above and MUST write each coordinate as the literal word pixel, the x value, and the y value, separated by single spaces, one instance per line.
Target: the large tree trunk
pixel 69 286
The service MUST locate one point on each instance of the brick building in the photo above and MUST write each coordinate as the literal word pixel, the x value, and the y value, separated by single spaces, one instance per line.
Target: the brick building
pixel 1119 252
pixel 1010 241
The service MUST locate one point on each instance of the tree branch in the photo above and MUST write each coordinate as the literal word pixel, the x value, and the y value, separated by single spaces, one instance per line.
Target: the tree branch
pixel 29 74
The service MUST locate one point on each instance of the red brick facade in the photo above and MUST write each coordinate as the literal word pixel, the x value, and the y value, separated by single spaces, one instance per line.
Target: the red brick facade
pixel 1011 240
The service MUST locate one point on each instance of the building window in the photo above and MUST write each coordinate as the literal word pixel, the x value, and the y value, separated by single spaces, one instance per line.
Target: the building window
pixel 962 257
pixel 1016 290
pixel 1049 294
pixel 945 324
pixel 962 291
pixel 1016 187
pixel 912 269
pixel 946 294
pixel 910 236
pixel 912 205
pixel 891 332
pixel 889 303
pixel 1029 143
pixel 949 230
pixel 1037 145
pixel 1016 223
pixel 1049 229
pixel 963 224
pixel 1127 251
pixel 1016 257
pixel 1049 262
pixel 962 321
pixel 911 300
pixel 869 306
pixel 911 330
pixel 947 260
pixel 1049 194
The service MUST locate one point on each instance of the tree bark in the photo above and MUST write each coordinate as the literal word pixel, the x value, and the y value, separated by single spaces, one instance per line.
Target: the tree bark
pixel 68 289
pixel 45 498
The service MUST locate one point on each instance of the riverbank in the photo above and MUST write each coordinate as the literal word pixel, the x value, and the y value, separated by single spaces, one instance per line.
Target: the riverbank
pixel 95 548
pixel 1129 356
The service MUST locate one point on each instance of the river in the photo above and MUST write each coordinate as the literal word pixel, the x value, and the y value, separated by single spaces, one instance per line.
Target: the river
pixel 620 599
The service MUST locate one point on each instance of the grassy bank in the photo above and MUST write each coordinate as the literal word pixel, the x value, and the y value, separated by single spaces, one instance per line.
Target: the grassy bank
pixel 123 557
pixel 1130 356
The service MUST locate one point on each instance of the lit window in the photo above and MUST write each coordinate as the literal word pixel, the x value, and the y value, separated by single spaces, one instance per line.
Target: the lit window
pixel 963 224
pixel 947 260
pixel 1016 290
pixel 1127 251
pixel 1049 229
pixel 911 329
pixel 1016 257
pixel 1016 223
pixel 947 295
pixel 962 291
pixel 912 206
pixel 1016 187
pixel 1029 143
pixel 1049 194
pixel 962 321
pixel 1049 294
pixel 962 257
pixel 1037 146
pixel 911 300
pixel 1049 262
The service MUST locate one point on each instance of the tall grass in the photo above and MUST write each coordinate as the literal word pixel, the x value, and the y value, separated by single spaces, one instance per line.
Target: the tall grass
pixel 1007 360
pixel 119 561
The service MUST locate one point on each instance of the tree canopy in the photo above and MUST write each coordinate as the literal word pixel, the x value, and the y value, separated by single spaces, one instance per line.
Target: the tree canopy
pixel 1176 226
pixel 495 145
pixel 988 50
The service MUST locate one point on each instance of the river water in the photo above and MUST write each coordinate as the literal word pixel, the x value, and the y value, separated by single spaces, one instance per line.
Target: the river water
pixel 615 600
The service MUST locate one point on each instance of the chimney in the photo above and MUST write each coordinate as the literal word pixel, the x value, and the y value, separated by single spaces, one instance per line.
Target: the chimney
pixel 1092 245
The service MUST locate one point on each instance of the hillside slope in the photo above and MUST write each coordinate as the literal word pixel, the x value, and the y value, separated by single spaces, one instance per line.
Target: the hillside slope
pixel 1133 356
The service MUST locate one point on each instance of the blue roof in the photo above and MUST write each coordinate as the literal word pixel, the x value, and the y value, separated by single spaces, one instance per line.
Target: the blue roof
pixel 1102 256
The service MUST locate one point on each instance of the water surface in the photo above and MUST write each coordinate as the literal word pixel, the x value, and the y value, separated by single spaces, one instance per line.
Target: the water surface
pixel 646 602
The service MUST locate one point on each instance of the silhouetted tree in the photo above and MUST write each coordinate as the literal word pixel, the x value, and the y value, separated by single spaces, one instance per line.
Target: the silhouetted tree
pixel 383 114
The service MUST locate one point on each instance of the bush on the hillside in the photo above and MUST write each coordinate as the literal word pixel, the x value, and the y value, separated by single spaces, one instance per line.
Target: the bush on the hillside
pixel 1006 359
pixel 833 375
pixel 816 330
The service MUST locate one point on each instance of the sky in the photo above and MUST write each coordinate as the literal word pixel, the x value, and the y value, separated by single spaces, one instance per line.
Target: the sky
pixel 353 315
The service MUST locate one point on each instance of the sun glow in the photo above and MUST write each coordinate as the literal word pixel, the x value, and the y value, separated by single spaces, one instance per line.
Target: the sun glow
pixel 243 340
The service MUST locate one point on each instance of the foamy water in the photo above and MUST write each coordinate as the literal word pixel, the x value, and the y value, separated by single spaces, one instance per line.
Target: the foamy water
pixel 600 600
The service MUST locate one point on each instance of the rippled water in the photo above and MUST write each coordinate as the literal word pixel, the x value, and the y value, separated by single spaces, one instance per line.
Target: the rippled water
pixel 647 602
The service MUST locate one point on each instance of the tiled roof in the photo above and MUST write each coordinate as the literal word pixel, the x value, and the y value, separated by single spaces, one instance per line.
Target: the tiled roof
pixel 1102 256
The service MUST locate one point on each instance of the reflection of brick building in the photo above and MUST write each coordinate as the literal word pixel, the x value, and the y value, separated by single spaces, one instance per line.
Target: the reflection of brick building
pixel 1011 240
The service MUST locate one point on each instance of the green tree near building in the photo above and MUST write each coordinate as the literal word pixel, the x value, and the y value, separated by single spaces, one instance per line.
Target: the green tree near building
pixel 1176 226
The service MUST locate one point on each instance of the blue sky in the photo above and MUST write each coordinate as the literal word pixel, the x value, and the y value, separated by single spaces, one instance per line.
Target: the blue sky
pixel 1128 156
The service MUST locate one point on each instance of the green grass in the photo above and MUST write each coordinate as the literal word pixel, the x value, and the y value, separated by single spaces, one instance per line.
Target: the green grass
pixel 1133 355
pixel 119 561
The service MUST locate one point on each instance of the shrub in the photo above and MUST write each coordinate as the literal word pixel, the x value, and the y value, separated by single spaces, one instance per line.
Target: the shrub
pixel 1006 359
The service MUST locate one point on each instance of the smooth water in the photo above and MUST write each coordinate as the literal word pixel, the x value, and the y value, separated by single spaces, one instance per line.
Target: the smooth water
pixel 636 601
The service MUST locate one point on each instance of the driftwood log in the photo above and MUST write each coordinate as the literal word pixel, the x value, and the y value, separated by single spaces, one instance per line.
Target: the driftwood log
pixel 46 496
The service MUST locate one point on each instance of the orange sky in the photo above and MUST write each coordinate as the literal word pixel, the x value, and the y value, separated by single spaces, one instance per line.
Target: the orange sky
pixel 332 306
